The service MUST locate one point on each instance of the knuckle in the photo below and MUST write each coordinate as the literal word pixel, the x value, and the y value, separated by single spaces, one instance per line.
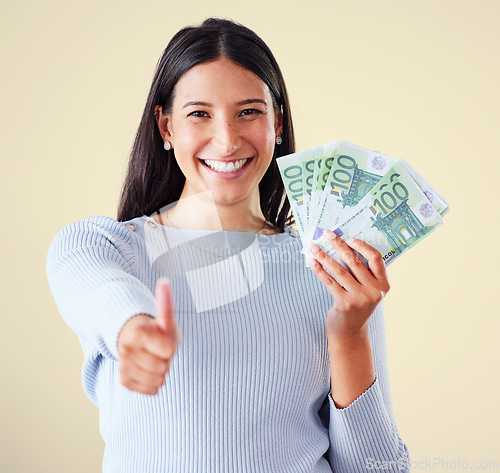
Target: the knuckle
pixel 349 258
pixel 356 261
pixel 149 389
pixel 160 380
pixel 167 352
pixel 130 340
pixel 349 306
pixel 137 334
pixel 127 382
pixel 325 279
pixel 362 301
pixel 339 304
pixel 316 265
pixel 124 367
pixel 173 347
pixel 329 280
pixel 320 255
pixel 346 304
pixel 340 271
pixel 353 305
pixel 123 347
pixel 375 297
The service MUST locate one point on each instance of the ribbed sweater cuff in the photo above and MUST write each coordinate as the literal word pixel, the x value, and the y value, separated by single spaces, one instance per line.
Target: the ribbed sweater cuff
pixel 362 434
pixel 121 303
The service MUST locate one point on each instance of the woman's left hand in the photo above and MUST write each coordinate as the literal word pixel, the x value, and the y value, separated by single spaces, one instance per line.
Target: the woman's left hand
pixel 356 293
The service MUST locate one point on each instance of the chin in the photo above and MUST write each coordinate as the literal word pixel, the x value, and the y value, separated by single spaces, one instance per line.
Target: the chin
pixel 227 198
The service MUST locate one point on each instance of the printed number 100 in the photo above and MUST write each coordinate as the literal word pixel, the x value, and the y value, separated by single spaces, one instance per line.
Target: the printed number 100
pixel 389 200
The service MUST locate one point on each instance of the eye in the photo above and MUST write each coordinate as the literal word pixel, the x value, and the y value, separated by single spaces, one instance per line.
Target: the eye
pixel 199 114
pixel 250 111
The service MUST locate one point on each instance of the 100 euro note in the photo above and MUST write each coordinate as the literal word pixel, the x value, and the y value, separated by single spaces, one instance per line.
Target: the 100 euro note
pixel 354 171
pixel 291 170
pixel 311 159
pixel 323 160
pixel 322 168
pixel 432 194
pixel 302 174
pixel 393 217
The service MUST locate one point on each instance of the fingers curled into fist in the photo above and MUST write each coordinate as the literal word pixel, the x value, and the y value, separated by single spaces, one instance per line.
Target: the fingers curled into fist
pixel 146 345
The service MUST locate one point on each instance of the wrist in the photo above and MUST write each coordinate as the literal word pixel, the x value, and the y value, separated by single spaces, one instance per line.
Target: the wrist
pixel 348 340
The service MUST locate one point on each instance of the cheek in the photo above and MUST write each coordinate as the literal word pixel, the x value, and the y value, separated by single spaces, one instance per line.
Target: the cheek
pixel 270 142
pixel 263 136
pixel 188 141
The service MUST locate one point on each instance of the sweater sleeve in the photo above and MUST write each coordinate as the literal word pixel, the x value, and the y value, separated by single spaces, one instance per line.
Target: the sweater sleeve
pixel 363 435
pixel 90 273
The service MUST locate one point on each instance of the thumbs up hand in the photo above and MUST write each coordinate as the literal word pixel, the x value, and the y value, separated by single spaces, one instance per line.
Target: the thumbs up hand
pixel 146 345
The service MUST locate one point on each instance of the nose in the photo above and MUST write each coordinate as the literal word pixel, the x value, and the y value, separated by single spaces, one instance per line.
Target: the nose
pixel 226 137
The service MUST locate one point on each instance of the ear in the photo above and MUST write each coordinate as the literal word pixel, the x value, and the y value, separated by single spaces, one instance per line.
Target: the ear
pixel 278 125
pixel 164 123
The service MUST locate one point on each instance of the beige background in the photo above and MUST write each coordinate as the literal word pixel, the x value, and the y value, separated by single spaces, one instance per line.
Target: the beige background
pixel 417 80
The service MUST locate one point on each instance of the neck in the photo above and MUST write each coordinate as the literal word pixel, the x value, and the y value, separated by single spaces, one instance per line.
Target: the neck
pixel 201 212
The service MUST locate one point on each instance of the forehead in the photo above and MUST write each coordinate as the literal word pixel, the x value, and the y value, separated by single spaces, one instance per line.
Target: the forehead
pixel 220 80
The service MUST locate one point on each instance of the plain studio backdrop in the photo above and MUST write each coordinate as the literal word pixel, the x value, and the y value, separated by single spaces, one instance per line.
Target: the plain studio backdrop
pixel 417 80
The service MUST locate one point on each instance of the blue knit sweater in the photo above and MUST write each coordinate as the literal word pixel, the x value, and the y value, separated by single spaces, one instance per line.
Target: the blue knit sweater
pixel 248 389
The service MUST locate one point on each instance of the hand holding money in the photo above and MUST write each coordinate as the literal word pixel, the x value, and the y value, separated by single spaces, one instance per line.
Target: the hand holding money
pixel 356 290
pixel 359 193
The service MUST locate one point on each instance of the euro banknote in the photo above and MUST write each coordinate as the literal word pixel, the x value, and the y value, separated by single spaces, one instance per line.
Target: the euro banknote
pixel 432 194
pixel 310 159
pixel 320 178
pixel 291 171
pixel 316 164
pixel 353 173
pixel 392 217
pixel 329 186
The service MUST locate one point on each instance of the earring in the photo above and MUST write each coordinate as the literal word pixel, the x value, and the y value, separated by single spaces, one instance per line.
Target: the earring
pixel 279 140
pixel 167 145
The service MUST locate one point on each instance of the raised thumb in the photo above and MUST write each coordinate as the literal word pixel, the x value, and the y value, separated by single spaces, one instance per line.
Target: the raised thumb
pixel 164 307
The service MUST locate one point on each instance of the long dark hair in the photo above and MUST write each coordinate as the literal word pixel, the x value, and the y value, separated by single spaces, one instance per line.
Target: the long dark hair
pixel 153 178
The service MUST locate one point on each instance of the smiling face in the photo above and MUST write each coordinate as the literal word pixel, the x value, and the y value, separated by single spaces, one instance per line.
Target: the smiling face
pixel 222 128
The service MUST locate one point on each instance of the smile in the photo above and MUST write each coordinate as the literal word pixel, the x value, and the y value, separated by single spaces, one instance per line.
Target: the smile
pixel 225 166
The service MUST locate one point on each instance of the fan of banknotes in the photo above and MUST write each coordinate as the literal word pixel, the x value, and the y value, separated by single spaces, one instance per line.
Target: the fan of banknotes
pixel 359 193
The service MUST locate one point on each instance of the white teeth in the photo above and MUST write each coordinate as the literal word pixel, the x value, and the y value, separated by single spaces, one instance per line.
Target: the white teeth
pixel 223 166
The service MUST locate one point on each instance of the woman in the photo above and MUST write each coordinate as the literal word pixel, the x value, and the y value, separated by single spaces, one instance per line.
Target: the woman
pixel 250 365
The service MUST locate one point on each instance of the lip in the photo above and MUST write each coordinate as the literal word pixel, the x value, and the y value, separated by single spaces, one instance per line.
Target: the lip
pixel 226 175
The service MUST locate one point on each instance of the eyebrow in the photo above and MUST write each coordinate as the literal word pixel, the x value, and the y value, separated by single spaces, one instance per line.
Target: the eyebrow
pixel 245 102
pixel 207 104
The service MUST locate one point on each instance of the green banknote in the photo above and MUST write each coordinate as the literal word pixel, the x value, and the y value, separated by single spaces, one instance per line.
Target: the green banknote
pixel 353 173
pixel 320 177
pixel 324 159
pixel 318 161
pixel 291 170
pixel 392 217
pixel 432 194
pixel 309 159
